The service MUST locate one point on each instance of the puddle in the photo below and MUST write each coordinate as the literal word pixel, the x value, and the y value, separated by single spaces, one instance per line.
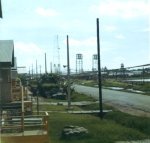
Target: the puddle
pixel 137 91
pixel 116 88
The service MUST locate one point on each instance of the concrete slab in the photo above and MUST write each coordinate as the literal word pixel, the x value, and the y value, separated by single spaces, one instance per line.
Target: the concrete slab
pixel 139 141
pixel 25 133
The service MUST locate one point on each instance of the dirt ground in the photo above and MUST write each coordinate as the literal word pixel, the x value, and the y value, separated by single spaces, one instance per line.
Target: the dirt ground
pixel 130 110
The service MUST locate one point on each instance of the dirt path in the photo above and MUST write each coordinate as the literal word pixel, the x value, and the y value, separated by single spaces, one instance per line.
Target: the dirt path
pixel 129 110
pixel 131 103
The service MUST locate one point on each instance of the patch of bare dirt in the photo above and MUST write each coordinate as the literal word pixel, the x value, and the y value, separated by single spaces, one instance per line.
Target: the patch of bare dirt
pixel 129 109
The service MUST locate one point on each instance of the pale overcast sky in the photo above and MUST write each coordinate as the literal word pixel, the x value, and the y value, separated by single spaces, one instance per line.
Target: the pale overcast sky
pixel 35 24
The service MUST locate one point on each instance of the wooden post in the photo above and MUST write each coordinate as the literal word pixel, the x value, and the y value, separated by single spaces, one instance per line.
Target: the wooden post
pixel 68 74
pixel 22 119
pixel 45 64
pixel 99 71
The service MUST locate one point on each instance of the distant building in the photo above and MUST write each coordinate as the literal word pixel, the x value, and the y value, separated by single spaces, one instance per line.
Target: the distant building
pixel 6 63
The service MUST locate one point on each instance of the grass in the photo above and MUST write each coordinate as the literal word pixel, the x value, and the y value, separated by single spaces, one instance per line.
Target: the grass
pixel 86 82
pixel 75 97
pixel 104 131
pixel 145 87
pixel 81 97
pixel 114 83
pixel 141 124
pixel 115 126
pixel 95 106
pixel 54 108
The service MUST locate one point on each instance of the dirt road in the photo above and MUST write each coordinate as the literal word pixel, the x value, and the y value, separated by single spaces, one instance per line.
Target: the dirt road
pixel 132 103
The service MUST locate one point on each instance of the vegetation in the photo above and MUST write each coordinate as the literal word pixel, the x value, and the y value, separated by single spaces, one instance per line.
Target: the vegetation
pixel 54 108
pixel 145 87
pixel 115 126
pixel 81 97
pixel 106 130
pixel 141 124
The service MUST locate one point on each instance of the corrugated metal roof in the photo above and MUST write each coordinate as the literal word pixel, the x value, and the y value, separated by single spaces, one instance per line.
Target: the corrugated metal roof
pixel 15 64
pixel 6 51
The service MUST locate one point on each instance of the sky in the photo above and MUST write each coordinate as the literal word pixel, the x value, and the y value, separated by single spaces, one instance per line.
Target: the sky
pixel 41 26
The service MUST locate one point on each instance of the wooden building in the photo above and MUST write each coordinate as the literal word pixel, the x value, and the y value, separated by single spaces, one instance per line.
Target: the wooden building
pixel 6 63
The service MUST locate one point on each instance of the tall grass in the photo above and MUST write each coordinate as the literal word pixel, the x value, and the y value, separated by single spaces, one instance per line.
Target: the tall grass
pixel 100 131
pixel 141 124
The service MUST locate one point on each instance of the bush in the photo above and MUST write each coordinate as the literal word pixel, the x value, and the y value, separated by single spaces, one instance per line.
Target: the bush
pixel 47 90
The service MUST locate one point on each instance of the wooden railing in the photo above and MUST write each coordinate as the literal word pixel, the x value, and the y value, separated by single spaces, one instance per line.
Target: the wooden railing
pixel 19 124
pixel 16 93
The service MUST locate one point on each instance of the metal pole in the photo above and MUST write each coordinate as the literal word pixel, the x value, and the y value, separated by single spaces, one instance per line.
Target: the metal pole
pixel 68 74
pixel 99 71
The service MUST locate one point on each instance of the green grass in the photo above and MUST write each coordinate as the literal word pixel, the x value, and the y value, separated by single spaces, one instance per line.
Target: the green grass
pixel 115 126
pixel 116 83
pixel 141 124
pixel 100 131
pixel 75 97
pixel 81 97
pixel 87 82
pixel 95 106
pixel 54 108
pixel 143 87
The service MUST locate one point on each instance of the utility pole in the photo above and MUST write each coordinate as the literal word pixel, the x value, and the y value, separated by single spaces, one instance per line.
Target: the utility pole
pixel 40 70
pixel 45 65
pixel 36 69
pixel 51 69
pixel 37 96
pixel 68 74
pixel 1 15
pixel 99 71
pixel 58 49
pixel 32 71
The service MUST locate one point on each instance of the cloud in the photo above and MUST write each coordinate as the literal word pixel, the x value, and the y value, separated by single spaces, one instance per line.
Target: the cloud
pixel 110 28
pixel 46 12
pixel 27 48
pixel 27 53
pixel 124 9
pixel 145 30
pixel 118 60
pixel 120 36
pixel 83 43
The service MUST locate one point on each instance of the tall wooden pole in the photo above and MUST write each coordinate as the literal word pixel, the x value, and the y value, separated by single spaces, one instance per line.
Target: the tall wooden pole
pixel 36 69
pixel 22 119
pixel 32 71
pixel 40 70
pixel 1 15
pixel 68 73
pixel 51 68
pixel 45 64
pixel 99 71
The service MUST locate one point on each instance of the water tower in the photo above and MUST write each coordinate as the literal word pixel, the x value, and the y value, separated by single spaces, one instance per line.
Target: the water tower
pixel 94 62
pixel 79 63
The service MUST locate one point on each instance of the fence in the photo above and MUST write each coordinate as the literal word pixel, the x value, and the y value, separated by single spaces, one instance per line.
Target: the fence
pixel 24 124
